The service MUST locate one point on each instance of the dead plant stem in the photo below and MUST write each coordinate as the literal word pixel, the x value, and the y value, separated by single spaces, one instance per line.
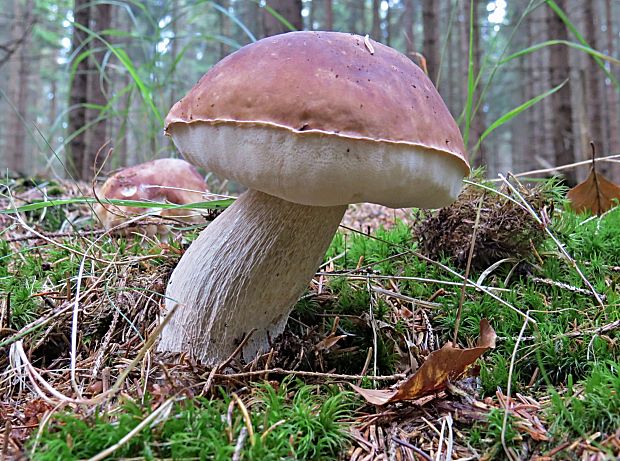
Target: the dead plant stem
pixel 559 244
pixel 309 374
pixel 447 269
pixel 145 422
pixel 470 256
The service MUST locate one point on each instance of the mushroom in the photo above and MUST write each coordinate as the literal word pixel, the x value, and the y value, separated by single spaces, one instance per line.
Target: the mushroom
pixel 309 122
pixel 164 180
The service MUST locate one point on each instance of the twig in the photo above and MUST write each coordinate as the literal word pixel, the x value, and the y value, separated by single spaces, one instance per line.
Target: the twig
pixel 423 454
pixel 238 349
pixel 609 158
pixel 310 374
pixel 240 443
pixel 559 244
pixel 147 221
pixel 246 417
pixel 373 324
pixel 11 47
pixel 71 250
pixel 5 440
pixel 513 359
pixel 416 279
pixel 402 297
pixel 145 422
pixel 271 428
pixel 447 269
pixel 143 350
pixel 74 328
pixel 565 286
pixel 366 364
pixel 17 350
pixel 440 443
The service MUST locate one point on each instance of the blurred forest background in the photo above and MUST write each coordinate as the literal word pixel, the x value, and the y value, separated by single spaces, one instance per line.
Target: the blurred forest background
pixel 76 76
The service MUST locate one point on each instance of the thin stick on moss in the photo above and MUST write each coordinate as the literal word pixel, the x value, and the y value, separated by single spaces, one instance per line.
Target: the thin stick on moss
pixel 610 158
pixel 246 417
pixel 447 269
pixel 513 359
pixel 416 279
pixel 309 374
pixel 136 430
pixel 559 244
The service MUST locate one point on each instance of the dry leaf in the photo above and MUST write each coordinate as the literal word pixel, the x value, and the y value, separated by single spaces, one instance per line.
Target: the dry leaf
pixel 420 60
pixel 596 194
pixel 329 342
pixel 446 364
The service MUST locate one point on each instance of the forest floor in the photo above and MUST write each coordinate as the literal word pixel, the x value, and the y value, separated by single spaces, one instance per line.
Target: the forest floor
pixel 525 288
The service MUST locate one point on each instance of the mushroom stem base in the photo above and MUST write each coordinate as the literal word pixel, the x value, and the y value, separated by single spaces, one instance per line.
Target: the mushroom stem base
pixel 245 271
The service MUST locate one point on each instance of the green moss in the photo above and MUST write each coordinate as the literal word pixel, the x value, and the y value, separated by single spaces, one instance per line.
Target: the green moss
pixel 293 421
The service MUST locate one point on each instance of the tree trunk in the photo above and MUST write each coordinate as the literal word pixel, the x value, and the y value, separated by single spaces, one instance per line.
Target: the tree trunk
pixel 174 45
pixel 79 92
pixel 531 68
pixel 431 51
pixel 545 148
pixel 289 10
pixel 224 25
pixel 562 120
pixel 521 142
pixel 96 135
pixel 594 85
pixel 120 81
pixel 362 6
pixel 18 91
pixel 353 17
pixel 478 121
pixel 388 25
pixel 251 17
pixel 612 92
pixel 463 50
pixel 448 78
pixel 408 18
pixel 329 15
pixel 376 20
pixel 53 107
pixel 312 15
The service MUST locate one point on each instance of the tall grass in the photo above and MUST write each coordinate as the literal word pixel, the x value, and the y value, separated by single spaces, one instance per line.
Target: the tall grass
pixel 475 77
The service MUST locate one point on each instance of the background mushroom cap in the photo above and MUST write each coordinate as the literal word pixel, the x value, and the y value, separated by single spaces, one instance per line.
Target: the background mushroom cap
pixel 167 180
pixel 303 110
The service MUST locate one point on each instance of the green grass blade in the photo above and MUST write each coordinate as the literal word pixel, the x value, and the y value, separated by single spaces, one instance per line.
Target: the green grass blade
pixel 516 111
pixel 586 49
pixel 122 56
pixel 445 44
pixel 234 19
pixel 487 85
pixel 471 87
pixel 557 10
pixel 280 18
pixel 209 205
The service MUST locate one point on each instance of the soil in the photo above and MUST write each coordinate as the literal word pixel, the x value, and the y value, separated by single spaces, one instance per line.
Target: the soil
pixel 370 216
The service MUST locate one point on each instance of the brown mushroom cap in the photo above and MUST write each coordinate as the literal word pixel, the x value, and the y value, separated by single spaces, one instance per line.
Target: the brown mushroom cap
pixel 331 91
pixel 166 180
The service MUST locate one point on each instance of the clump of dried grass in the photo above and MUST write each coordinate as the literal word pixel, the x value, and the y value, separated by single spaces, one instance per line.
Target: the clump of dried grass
pixel 505 228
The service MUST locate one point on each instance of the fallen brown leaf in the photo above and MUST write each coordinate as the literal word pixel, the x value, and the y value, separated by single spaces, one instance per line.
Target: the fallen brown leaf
pixel 595 194
pixel 447 364
pixel 329 342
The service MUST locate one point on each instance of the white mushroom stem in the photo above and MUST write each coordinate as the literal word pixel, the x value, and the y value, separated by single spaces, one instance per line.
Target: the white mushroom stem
pixel 245 271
